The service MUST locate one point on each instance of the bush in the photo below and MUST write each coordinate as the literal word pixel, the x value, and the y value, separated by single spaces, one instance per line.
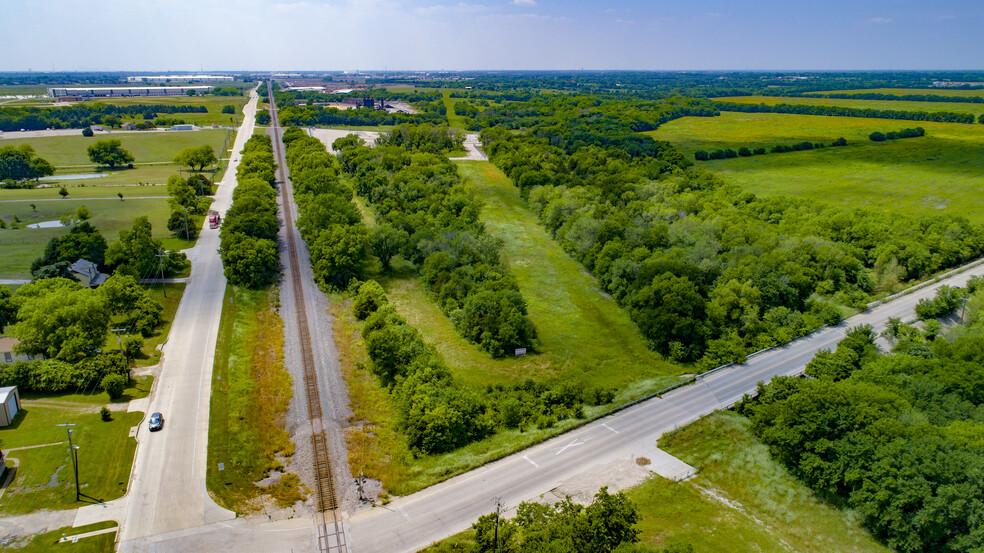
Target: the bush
pixel 369 298
pixel 87 131
pixel 114 385
pixel 877 137
pixel 132 346
pixel 105 414
pixel 700 155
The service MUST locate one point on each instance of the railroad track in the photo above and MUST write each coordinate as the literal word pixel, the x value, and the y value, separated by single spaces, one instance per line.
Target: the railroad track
pixel 331 535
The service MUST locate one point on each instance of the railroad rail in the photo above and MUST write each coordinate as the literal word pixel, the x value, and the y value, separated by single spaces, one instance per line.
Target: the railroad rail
pixel 331 536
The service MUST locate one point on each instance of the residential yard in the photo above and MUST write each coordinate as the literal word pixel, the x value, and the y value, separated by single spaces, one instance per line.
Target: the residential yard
pixel 938 173
pixel 251 391
pixel 44 478
pixel 954 107
pixel 48 542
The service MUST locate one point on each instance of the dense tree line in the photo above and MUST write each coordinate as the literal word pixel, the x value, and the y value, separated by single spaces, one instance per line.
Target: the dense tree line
pixel 82 115
pixel 899 97
pixel 838 111
pixel 427 216
pixel 745 151
pixel 897 437
pixel 248 245
pixel 895 135
pixel 707 269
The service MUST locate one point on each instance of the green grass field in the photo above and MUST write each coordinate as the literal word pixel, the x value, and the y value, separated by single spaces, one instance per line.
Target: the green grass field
pixel 938 173
pixel 21 245
pixel 975 109
pixel 904 91
pixel 251 390
pixel 69 152
pixel 583 332
pixel 44 478
pixel 454 121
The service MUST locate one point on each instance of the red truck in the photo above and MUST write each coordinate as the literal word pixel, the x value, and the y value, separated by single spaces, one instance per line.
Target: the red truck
pixel 214 219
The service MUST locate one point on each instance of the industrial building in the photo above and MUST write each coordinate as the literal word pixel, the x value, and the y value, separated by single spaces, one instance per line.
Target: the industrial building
pixel 180 79
pixel 123 92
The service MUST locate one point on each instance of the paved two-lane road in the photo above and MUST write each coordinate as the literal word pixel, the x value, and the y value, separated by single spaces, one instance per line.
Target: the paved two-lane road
pixel 413 522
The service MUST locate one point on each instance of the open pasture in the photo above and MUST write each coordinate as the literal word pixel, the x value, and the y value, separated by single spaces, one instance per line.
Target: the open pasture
pixel 938 173
pixel 146 146
pixel 932 107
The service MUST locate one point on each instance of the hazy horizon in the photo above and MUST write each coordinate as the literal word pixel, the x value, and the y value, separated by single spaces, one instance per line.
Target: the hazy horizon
pixel 505 35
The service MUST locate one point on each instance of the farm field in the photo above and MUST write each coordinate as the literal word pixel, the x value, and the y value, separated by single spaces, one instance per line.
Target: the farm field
pixel 740 501
pixel 904 91
pixel 954 107
pixel 938 173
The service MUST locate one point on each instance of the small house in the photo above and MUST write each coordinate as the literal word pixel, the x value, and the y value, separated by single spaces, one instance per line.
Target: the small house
pixel 88 273
pixel 9 405
pixel 129 126
pixel 7 353
pixel 182 127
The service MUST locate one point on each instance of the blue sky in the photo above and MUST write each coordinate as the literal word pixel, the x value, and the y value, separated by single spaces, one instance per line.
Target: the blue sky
pixel 494 34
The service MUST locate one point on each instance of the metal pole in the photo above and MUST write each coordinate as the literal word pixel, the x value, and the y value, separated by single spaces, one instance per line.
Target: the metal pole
pixel 161 256
pixel 75 458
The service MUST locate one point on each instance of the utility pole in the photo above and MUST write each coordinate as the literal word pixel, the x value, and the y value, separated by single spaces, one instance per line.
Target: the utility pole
pixel 73 449
pixel 160 266
pixel 498 511
pixel 362 476
pixel 119 342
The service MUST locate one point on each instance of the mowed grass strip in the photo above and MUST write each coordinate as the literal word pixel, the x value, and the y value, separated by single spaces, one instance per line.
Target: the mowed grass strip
pixel 936 174
pixel 251 391
pixel 48 542
pixel 583 333
pixel 897 105
pixel 44 478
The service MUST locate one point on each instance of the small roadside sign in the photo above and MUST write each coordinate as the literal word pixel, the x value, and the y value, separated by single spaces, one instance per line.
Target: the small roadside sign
pixel 520 351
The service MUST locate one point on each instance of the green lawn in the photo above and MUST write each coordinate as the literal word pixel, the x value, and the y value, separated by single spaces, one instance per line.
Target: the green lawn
pixel 44 478
pixel 20 246
pixel 454 121
pixel 138 387
pixel 48 542
pixel 975 109
pixel 938 173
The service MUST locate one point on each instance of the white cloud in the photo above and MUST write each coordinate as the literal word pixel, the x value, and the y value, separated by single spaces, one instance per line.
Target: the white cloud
pixel 879 20
pixel 523 2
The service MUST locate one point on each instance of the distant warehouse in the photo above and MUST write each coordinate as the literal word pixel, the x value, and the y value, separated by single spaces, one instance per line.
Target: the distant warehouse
pixel 123 92
pixel 180 79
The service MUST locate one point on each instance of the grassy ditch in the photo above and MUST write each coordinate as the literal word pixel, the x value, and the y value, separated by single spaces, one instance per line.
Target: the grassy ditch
pixel 44 478
pixel 251 391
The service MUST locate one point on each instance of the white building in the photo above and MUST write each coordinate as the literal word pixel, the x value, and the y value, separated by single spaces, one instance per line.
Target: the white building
pixel 124 92
pixel 9 405
pixel 181 79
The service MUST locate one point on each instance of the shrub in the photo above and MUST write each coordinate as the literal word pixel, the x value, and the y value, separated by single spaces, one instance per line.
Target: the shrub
pixel 877 137
pixel 87 131
pixel 114 385
pixel 700 155
pixel 369 298
pixel 105 414
pixel 132 346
